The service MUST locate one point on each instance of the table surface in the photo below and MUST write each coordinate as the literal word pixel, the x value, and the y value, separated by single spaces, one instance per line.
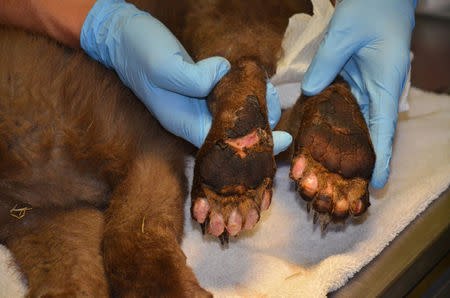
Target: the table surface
pixel 408 258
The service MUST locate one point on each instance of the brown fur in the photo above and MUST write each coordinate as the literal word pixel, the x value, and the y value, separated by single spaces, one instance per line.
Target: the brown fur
pixel 105 182
pixel 72 136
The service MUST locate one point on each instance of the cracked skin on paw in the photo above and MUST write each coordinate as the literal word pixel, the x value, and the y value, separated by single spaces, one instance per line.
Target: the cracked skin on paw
pixel 333 155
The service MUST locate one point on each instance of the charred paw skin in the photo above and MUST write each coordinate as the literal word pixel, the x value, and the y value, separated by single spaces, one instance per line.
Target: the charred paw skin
pixel 224 166
pixel 232 186
pixel 234 169
pixel 248 118
pixel 230 191
pixel 333 156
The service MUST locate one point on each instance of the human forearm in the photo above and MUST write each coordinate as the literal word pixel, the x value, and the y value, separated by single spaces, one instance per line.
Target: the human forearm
pixel 61 20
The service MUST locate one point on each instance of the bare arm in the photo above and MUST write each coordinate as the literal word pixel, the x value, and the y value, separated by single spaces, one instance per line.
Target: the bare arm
pixel 59 19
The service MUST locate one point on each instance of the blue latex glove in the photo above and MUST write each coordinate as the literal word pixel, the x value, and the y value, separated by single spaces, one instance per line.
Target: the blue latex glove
pixel 368 42
pixel 152 62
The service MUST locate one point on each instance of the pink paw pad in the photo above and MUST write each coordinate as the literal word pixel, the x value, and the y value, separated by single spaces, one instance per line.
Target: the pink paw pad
pixel 357 207
pixel 309 185
pixel 234 223
pixel 341 208
pixel 251 220
pixel 216 225
pixel 201 209
pixel 298 168
pixel 267 197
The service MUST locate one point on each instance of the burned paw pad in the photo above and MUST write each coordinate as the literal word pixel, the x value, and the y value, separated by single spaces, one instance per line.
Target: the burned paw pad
pixel 333 156
pixel 229 214
pixel 233 176
pixel 328 193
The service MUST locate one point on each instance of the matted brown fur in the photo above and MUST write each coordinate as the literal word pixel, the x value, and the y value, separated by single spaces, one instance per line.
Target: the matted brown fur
pixel 76 144
pixel 103 182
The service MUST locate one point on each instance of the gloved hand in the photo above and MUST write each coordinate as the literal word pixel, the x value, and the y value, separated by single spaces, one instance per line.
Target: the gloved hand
pixel 368 42
pixel 152 62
